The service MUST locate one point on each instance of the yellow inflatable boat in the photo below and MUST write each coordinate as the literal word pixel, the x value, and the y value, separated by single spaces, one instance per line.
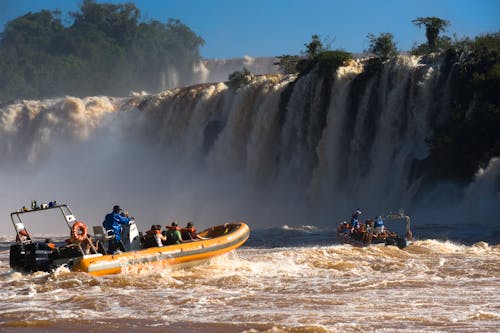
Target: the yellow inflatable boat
pixel 83 253
pixel 218 240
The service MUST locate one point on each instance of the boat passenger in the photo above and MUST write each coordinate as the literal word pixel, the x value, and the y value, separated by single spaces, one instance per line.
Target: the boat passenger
pixel 22 236
pixel 154 237
pixel 88 244
pixel 113 224
pixel 50 243
pixel 345 228
pixel 379 225
pixel 189 232
pixel 173 235
pixel 355 219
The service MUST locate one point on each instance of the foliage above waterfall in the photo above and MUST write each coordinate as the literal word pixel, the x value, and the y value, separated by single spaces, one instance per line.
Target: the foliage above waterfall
pixel 433 27
pixel 382 46
pixel 316 54
pixel 107 49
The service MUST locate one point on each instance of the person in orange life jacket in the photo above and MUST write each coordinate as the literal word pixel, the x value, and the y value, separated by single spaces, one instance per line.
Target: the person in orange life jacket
pixel 189 232
pixel 50 243
pixel 154 236
pixel 346 228
pixel 22 236
pixel 355 219
pixel 114 221
pixel 173 234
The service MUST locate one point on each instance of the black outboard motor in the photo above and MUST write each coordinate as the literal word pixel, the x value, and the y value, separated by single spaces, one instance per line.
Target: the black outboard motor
pixel 390 241
pixel 396 241
pixel 33 257
pixel 28 258
pixel 401 242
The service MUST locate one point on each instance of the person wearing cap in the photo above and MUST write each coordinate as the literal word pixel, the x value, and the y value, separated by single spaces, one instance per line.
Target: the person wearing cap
pixel 113 224
pixel 173 234
pixel 154 237
pixel 355 219
pixel 189 232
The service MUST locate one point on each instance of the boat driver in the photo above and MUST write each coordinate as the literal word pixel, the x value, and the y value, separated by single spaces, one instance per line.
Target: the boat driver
pixel 113 224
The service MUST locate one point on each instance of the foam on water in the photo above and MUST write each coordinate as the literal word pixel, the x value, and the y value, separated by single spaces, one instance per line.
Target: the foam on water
pixel 431 285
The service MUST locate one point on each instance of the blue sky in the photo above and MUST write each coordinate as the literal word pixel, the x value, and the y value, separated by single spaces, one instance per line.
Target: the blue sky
pixel 234 28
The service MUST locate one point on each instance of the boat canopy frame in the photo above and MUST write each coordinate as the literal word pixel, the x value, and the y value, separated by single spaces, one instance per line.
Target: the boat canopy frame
pixel 401 216
pixel 65 211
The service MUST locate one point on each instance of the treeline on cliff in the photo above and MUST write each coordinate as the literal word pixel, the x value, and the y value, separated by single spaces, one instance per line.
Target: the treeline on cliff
pixel 107 49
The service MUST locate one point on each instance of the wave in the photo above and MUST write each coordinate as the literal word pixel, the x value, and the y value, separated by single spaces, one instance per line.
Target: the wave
pixel 301 288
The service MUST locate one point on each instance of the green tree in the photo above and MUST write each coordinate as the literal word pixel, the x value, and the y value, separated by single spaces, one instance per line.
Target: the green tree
pixel 317 53
pixel 314 47
pixel 382 46
pixel 117 22
pixel 107 49
pixel 433 26
pixel 329 61
pixel 288 63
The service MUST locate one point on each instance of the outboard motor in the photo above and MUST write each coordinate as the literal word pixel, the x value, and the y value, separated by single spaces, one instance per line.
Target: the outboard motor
pixel 130 237
pixel 401 242
pixel 32 257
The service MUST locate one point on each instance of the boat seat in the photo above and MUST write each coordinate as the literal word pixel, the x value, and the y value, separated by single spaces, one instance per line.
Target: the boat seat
pixel 101 234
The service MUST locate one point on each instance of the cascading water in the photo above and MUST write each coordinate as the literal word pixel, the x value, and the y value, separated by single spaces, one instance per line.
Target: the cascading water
pixel 275 151
pixel 374 136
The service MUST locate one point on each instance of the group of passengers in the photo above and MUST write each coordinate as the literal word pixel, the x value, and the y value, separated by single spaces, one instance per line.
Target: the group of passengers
pixel 360 230
pixel 172 235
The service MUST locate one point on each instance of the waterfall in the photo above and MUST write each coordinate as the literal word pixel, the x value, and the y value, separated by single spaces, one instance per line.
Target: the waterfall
pixel 279 150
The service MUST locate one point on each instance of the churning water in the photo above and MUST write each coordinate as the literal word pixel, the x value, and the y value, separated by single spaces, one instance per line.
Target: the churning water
pixel 279 282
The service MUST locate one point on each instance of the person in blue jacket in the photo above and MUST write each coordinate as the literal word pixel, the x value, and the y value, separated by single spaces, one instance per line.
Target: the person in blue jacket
pixel 113 222
pixel 379 225
pixel 355 219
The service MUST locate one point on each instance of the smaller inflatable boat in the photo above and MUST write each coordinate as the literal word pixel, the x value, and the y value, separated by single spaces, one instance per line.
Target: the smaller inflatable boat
pixel 85 253
pixel 367 235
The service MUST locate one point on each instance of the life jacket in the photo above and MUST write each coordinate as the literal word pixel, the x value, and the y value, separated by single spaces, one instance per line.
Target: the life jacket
pixel 172 235
pixel 344 228
pixel 188 233
pixel 150 238
pixel 171 227
pixel 22 236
